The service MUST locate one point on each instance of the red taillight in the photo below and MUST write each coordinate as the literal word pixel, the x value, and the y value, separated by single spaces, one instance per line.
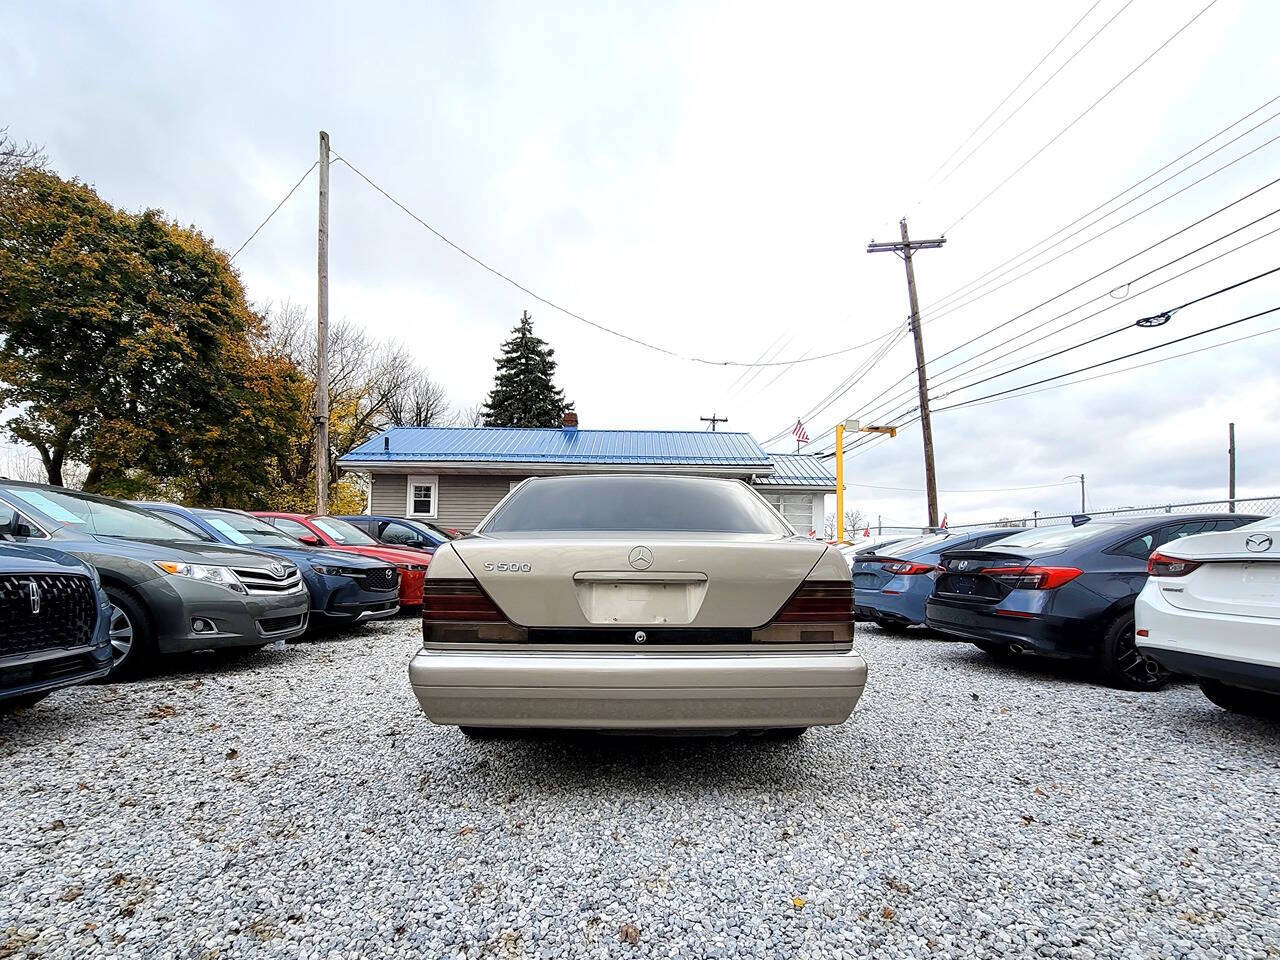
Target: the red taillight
pixel 819 601
pixel 906 568
pixel 1032 578
pixel 1161 565
pixel 457 601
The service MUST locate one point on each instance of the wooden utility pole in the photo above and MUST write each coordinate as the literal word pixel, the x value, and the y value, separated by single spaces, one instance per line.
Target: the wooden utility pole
pixel 322 334
pixel 713 420
pixel 1231 467
pixel 905 249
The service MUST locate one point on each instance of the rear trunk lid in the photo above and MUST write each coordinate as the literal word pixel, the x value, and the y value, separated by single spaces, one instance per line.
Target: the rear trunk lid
pixel 723 581
pixel 1235 578
pixel 962 578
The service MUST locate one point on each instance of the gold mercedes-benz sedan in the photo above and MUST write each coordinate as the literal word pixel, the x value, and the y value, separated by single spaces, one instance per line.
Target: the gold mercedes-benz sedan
pixel 642 603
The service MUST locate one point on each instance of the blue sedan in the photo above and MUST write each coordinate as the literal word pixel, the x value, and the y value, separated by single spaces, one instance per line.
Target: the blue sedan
pixel 892 587
pixel 344 587
pixel 1064 592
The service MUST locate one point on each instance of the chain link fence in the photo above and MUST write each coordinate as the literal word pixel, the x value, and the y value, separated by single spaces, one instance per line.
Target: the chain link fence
pixel 1263 506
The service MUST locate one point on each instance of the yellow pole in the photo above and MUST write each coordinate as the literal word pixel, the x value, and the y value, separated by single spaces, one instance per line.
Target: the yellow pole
pixel 839 483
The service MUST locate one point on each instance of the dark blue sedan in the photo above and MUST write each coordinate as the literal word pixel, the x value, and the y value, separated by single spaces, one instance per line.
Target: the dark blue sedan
pixel 1064 592
pixel 892 582
pixel 54 623
pixel 344 587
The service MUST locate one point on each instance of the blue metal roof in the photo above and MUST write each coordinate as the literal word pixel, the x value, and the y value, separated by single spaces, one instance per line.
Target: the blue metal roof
pixel 557 445
pixel 798 470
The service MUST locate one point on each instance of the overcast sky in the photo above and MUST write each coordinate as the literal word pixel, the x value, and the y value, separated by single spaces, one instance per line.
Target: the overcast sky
pixel 706 177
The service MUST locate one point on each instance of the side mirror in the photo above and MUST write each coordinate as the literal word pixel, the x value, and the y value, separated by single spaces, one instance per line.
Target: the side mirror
pixel 310 539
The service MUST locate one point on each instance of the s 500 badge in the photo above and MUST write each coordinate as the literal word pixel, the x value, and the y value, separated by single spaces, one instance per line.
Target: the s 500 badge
pixel 508 567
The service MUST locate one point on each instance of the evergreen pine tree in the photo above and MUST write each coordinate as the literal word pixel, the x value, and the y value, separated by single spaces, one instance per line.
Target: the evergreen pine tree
pixel 524 393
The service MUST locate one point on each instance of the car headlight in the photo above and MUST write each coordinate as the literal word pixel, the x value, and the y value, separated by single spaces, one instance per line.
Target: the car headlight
pixel 412 566
pixel 329 571
pixel 222 576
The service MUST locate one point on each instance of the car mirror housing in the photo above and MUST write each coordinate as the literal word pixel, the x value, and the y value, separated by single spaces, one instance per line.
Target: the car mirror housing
pixel 310 539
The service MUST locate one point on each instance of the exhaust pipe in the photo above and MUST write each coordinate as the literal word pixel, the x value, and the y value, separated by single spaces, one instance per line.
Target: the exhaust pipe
pixel 1017 649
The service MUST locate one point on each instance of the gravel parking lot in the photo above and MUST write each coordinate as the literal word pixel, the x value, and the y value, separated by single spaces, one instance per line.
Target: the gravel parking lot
pixel 298 805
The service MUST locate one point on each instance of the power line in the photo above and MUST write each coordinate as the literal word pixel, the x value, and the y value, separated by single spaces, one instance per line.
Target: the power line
pixel 1155 173
pixel 1043 303
pixel 954 306
pixel 1120 263
pixel 1136 366
pixel 1103 363
pixel 1089 109
pixel 1163 316
pixel 1096 313
pixel 275 210
pixel 1047 81
pixel 579 317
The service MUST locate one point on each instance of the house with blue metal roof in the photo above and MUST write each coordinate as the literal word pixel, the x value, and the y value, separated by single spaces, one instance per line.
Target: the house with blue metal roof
pixel 454 476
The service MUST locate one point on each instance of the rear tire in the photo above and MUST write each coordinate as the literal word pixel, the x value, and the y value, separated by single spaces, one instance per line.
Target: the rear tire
pixel 1252 703
pixel 133 641
pixel 1122 664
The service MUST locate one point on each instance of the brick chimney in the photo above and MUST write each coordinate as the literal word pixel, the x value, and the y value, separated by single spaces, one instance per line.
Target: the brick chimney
pixel 570 422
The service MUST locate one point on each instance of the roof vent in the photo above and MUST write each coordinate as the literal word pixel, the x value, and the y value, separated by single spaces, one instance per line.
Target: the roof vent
pixel 570 422
pixel 386 443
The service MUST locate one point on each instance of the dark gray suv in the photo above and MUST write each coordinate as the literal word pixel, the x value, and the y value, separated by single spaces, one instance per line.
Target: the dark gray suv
pixel 170 592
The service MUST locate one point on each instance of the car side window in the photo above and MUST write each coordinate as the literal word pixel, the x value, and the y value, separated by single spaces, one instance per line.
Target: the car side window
pixel 25 528
pixel 292 527
pixel 395 533
pixel 1139 547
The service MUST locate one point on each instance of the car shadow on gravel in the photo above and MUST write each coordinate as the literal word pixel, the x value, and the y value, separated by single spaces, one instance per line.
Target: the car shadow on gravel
pixel 553 762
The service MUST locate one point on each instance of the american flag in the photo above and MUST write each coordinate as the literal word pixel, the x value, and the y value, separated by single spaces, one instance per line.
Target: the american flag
pixel 799 432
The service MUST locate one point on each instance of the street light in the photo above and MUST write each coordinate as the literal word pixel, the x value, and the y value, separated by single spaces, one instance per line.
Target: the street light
pixel 857 427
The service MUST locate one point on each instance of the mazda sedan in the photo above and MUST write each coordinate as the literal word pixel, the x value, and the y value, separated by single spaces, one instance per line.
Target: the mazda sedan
pixel 640 603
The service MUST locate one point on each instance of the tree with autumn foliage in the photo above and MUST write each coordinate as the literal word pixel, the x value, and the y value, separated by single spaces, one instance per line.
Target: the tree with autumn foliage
pixel 126 344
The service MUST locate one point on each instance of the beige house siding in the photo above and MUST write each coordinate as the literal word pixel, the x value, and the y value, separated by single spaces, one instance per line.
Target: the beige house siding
pixel 461 501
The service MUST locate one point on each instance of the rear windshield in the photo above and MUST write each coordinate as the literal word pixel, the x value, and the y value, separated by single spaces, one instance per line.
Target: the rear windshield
pixel 1045 537
pixel 1271 523
pixel 618 504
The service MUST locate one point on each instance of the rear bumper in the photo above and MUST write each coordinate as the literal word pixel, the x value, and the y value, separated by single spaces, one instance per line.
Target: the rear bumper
pixel 1043 634
pixel 905 606
pixel 616 691
pixel 1244 651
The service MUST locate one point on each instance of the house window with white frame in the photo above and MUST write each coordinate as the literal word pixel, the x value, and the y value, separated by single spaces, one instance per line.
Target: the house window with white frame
pixel 422 496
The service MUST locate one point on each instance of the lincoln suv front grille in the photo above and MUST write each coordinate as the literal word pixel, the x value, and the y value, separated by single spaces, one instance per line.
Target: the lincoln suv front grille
pixel 41 611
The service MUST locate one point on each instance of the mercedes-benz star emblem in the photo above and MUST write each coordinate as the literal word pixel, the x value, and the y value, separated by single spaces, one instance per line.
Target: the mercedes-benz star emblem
pixel 641 636
pixel 1258 542
pixel 641 558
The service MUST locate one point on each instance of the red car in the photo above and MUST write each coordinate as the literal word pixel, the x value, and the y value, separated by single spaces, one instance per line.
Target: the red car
pixel 334 534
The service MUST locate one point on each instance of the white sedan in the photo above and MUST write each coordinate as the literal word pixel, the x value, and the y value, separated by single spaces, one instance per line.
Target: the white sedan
pixel 1211 609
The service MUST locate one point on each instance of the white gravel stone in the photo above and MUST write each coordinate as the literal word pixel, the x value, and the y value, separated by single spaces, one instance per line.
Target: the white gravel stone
pixel 297 804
